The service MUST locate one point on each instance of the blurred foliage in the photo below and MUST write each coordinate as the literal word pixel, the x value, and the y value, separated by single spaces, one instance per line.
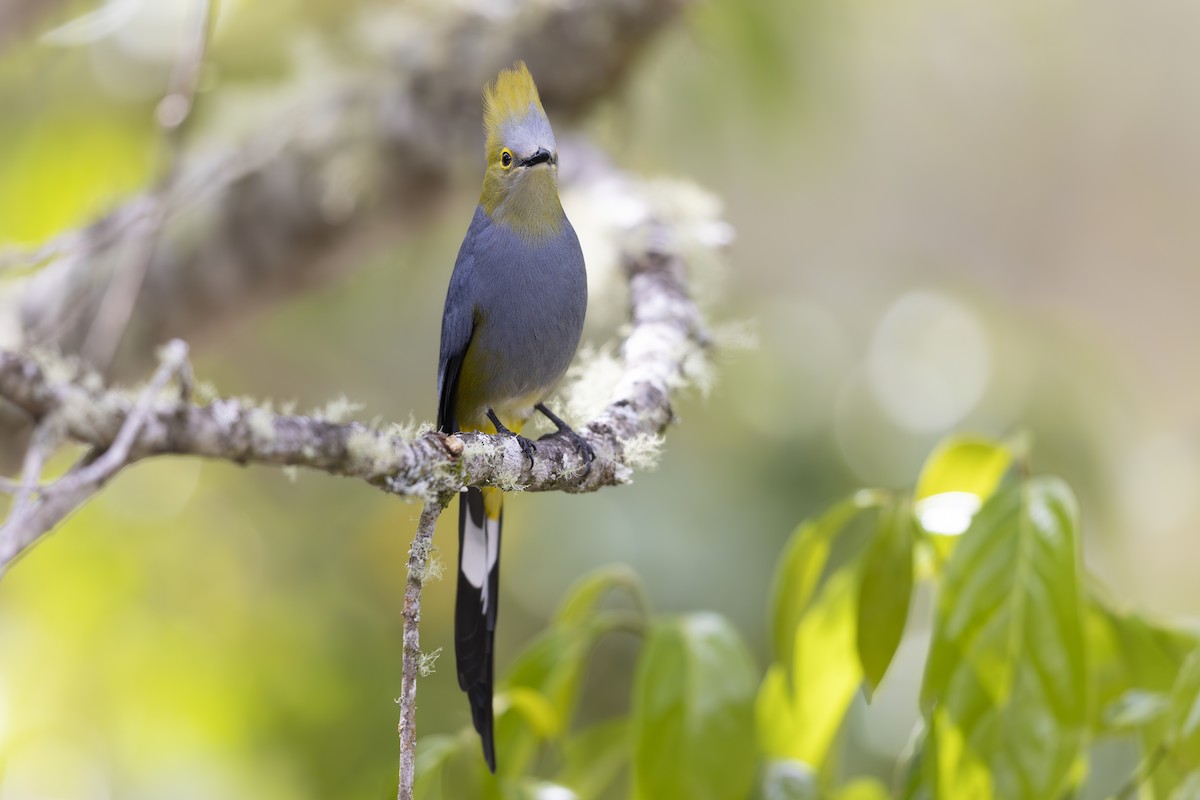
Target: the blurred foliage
pixel 1019 685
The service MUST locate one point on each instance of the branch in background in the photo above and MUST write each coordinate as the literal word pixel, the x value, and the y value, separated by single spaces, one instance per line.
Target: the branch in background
pixel 125 282
pixel 19 17
pixel 360 160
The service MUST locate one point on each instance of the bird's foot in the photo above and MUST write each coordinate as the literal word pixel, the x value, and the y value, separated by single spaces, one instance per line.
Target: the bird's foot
pixel 527 446
pixel 581 444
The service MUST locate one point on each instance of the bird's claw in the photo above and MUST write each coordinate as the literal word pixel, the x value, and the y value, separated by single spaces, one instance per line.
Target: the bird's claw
pixel 585 450
pixel 582 447
pixel 527 447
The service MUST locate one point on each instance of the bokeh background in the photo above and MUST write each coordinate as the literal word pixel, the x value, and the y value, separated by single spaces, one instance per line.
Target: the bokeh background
pixel 975 217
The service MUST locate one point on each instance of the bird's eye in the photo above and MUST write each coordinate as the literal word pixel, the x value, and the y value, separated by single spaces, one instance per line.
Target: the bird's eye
pixel 506 158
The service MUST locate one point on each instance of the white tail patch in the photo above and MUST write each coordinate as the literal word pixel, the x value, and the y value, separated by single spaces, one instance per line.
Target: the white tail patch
pixel 480 549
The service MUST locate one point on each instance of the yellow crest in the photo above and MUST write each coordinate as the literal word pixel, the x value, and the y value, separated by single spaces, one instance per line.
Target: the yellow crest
pixel 508 97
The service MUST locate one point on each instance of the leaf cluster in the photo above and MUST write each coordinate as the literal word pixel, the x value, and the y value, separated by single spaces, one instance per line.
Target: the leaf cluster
pixel 1029 668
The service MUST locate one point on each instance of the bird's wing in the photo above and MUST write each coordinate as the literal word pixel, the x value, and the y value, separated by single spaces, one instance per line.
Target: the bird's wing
pixel 458 324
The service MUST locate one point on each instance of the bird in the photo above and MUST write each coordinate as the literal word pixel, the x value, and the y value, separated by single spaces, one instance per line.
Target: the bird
pixel 513 318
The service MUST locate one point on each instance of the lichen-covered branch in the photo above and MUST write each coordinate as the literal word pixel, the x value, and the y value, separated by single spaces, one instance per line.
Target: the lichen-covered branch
pixel 418 562
pixel 667 335
pixel 38 508
pixel 354 160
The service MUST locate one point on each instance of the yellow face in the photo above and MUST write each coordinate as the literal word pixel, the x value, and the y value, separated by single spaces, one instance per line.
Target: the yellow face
pixel 522 192
pixel 520 188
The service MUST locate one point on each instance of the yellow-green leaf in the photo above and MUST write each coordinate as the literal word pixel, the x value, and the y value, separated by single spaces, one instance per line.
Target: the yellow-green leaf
pixel 1179 773
pixel 533 707
pixel 1130 656
pixel 799 721
pixel 862 789
pixel 1005 687
pixel 884 592
pixel 802 565
pixel 584 596
pixel 693 712
pixel 969 464
pixel 775 719
pixel 552 665
pixel 448 767
pixel 593 758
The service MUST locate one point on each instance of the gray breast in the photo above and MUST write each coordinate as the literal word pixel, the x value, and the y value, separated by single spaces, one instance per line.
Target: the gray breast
pixel 530 299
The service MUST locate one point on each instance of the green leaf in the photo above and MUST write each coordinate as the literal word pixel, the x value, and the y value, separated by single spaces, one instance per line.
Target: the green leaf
pixel 884 592
pixel 802 565
pixel 552 666
pixel 1185 703
pixel 1127 653
pixel 1005 689
pixel 594 758
pixel 964 464
pixel 958 477
pixel 448 767
pixel 917 778
pixel 1180 770
pixel 584 596
pixel 533 706
pixel 693 712
pixel 798 718
pixel 776 719
pixel 433 753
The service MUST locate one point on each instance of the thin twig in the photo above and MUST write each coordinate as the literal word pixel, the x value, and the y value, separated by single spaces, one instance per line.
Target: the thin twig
pixel 26 496
pixel 418 563
pixel 38 509
pixel 13 259
pixel 174 361
pixel 116 307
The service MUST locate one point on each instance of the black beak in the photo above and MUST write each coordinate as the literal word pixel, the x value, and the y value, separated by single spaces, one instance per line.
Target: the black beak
pixel 542 156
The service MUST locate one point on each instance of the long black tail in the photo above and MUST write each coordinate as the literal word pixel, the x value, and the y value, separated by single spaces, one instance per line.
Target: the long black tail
pixel 480 514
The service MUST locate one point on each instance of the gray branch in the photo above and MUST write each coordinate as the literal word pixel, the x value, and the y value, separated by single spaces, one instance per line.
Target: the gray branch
pixel 37 509
pixel 666 336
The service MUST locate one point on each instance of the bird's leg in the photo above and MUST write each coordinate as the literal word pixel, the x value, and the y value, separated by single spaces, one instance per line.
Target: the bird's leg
pixel 581 446
pixel 527 447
